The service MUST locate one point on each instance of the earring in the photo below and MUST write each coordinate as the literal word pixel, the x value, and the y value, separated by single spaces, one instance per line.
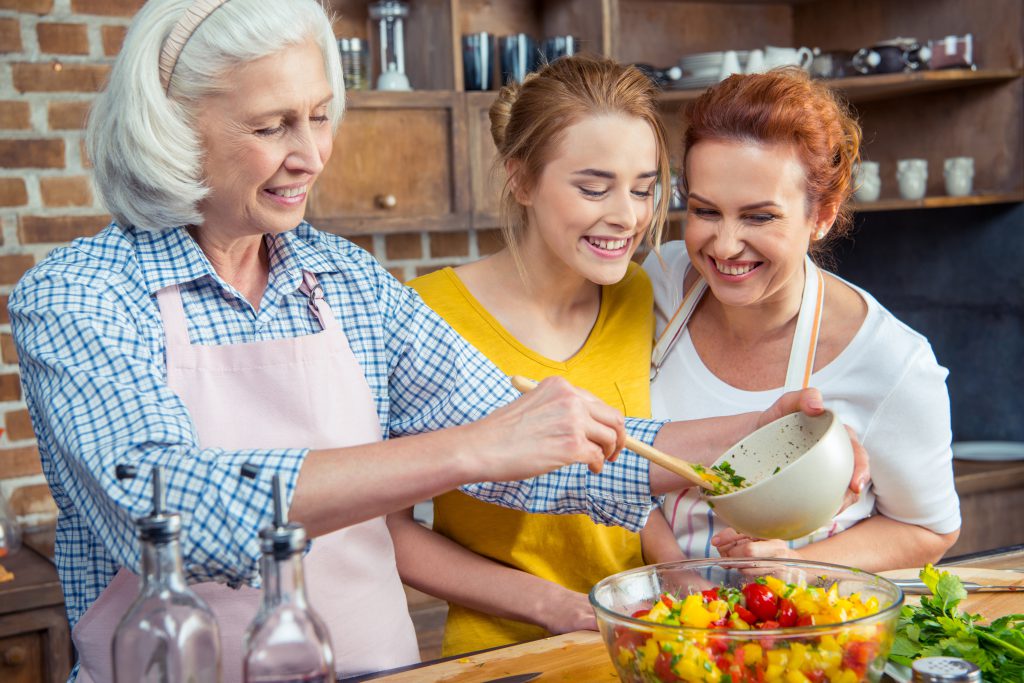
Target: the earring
pixel 820 235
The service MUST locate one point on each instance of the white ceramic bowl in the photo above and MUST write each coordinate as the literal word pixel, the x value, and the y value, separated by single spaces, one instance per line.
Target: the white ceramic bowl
pixel 813 457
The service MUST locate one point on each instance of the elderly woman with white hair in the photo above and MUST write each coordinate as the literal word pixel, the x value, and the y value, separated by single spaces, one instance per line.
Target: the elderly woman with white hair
pixel 209 326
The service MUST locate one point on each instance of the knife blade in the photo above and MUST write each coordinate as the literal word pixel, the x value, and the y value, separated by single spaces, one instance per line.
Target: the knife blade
pixel 916 587
pixel 517 678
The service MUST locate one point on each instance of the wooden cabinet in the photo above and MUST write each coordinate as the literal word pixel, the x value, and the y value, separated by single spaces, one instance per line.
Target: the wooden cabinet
pixel 399 163
pixel 35 644
pixel 430 150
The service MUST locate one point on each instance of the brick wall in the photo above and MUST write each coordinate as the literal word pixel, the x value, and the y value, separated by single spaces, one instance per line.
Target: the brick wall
pixel 54 56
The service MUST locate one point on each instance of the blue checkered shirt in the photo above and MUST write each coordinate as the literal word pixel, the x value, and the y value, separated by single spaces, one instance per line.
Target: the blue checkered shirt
pixel 91 347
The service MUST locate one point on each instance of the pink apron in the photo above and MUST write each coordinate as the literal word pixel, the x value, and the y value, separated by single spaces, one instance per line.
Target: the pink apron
pixel 306 391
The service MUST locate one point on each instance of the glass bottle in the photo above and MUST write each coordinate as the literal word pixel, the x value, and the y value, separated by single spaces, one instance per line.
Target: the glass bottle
pixel 169 632
pixel 286 641
pixel 10 529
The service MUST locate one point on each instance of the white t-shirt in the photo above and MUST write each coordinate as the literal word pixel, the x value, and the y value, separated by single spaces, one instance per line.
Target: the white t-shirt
pixel 886 385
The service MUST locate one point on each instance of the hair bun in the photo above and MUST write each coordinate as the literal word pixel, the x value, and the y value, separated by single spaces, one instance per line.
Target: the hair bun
pixel 501 111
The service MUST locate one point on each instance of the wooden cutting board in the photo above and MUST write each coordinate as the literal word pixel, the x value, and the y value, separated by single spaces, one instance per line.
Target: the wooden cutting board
pixel 989 605
pixel 579 656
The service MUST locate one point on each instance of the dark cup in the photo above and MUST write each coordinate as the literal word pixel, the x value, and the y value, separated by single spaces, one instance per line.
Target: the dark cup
pixel 888 59
pixel 834 64
pixel 478 61
pixel 518 57
pixel 560 46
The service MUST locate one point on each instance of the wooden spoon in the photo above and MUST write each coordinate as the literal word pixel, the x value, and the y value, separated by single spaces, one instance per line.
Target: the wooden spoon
pixel 705 479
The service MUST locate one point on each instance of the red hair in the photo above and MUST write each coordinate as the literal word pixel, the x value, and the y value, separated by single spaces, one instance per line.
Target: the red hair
pixel 784 106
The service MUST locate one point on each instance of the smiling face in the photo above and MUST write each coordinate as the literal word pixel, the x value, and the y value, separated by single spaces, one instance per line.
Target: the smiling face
pixel 266 141
pixel 747 224
pixel 593 201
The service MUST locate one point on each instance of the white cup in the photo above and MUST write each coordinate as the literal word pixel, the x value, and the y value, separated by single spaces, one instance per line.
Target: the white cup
pixel 755 62
pixel 912 176
pixel 730 65
pixel 788 56
pixel 868 181
pixel 959 175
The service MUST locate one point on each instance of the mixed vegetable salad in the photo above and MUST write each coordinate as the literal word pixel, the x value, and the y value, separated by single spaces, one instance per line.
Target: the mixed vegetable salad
pixel 842 655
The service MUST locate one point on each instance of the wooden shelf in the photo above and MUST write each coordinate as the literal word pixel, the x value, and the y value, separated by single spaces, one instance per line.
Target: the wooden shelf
pixel 412 99
pixel 880 86
pixel 940 202
pixel 904 204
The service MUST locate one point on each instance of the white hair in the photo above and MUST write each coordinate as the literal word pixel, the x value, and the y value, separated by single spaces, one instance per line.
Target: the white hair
pixel 143 142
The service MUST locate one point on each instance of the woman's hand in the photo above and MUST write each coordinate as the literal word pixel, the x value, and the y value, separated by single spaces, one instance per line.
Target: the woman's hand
pixel 552 426
pixel 565 611
pixel 806 401
pixel 809 401
pixel 730 543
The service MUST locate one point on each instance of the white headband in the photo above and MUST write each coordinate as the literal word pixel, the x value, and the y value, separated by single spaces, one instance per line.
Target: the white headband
pixel 180 34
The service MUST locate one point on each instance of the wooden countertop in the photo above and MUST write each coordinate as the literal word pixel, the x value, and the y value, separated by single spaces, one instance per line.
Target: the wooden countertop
pixel 980 477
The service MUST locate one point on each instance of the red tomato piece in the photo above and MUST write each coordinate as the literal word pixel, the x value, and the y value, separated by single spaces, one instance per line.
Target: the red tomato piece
pixel 858 654
pixel 663 668
pixel 666 599
pixel 710 594
pixel 640 613
pixel 805 620
pixel 628 640
pixel 745 614
pixel 769 624
pixel 787 613
pixel 761 601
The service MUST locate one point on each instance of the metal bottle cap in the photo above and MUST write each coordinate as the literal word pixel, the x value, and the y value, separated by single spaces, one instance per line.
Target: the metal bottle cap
pixel 282 538
pixel 945 670
pixel 159 526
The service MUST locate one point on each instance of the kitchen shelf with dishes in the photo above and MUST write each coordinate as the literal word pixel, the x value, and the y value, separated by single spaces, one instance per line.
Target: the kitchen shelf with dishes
pixel 881 86
pixel 422 160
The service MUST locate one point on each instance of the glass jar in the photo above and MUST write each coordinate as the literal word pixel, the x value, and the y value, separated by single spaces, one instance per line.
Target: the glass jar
pixel 355 63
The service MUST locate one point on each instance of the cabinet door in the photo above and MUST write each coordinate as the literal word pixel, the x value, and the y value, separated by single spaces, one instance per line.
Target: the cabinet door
pixel 35 646
pixel 485 180
pixel 398 164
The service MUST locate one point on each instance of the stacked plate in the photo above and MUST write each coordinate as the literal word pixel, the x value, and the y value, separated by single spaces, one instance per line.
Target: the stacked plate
pixel 701 70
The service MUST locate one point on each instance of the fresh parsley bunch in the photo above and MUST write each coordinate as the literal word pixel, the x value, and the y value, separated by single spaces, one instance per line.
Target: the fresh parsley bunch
pixel 938 628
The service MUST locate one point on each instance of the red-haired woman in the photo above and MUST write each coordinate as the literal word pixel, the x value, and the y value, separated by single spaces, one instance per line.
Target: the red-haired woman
pixel 744 314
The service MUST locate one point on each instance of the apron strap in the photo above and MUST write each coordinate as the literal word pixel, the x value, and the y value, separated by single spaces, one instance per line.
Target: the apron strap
pixel 808 324
pixel 168 299
pixel 805 338
pixel 664 343
pixel 314 291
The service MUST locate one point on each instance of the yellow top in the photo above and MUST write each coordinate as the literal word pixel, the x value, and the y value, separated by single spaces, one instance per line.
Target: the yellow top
pixel 572 550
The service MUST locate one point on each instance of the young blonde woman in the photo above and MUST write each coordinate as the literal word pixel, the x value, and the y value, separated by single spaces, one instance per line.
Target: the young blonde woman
pixel 745 314
pixel 583 148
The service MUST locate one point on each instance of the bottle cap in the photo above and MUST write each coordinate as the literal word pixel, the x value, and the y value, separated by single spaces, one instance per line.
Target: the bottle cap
pixel 945 670
pixel 159 526
pixel 282 538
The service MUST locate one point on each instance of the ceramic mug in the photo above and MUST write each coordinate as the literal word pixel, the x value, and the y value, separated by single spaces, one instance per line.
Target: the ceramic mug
pixel 959 175
pixel 788 56
pixel 755 62
pixel 912 176
pixel 730 65
pixel 834 64
pixel 868 181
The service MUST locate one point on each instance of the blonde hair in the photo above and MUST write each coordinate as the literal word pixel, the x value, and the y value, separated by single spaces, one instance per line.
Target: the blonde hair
pixel 528 121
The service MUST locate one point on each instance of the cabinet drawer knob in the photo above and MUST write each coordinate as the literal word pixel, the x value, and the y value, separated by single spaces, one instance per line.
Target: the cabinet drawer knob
pixel 386 201
pixel 13 656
